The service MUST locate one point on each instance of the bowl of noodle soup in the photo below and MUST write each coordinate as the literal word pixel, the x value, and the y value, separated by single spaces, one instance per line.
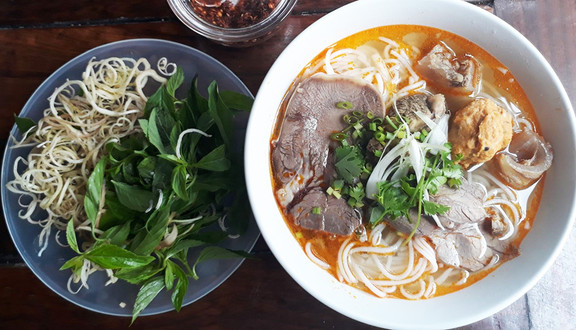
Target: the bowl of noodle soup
pixel 45 251
pixel 539 227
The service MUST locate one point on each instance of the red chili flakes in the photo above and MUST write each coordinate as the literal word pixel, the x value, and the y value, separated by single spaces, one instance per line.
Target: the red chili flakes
pixel 227 15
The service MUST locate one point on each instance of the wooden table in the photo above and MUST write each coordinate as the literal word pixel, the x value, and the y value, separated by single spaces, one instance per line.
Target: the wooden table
pixel 37 37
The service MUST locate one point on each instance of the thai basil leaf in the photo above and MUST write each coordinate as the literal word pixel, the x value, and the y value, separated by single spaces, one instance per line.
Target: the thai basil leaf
pixel 147 293
pixel 118 234
pixel 24 125
pixel 133 197
pixel 146 169
pixel 183 245
pixel 221 115
pixel 111 256
pixel 216 160
pixel 165 123
pixel 175 81
pixel 139 274
pixel 179 181
pixel 94 191
pixel 237 101
pixel 152 133
pixel 71 236
pixel 74 263
pixel 116 212
pixel 162 174
pixel 195 101
pixel 180 288
pixel 215 252
pixel 148 238
pixel 169 275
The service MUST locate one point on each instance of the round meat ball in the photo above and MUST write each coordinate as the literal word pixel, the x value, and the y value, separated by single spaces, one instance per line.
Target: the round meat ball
pixel 478 131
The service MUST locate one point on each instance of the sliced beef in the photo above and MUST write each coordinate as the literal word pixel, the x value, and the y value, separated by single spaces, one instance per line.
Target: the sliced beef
pixel 493 228
pixel 442 68
pixel 333 215
pixel 300 154
pixel 463 247
pixel 430 106
pixel 466 204
pixel 406 226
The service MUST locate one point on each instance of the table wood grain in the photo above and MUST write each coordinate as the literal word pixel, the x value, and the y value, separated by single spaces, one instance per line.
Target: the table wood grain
pixel 37 37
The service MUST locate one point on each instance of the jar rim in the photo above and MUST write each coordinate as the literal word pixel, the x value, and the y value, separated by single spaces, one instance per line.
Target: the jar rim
pixel 186 15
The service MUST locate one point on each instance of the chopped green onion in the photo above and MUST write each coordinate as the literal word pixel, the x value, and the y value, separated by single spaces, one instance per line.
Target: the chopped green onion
pixel 337 194
pixel 379 136
pixel 378 120
pixel 389 136
pixel 372 126
pixel 358 126
pixel 347 119
pixel 369 115
pixel 401 134
pixel 330 191
pixel 378 153
pixel 317 210
pixel 389 121
pixel 344 105
pixel 358 114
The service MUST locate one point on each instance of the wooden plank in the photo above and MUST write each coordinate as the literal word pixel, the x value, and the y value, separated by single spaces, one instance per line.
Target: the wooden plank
pixel 26 13
pixel 259 295
pixel 551 27
pixel 62 13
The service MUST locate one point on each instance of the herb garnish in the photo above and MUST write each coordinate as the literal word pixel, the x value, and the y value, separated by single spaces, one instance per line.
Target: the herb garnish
pixel 160 192
pixel 379 162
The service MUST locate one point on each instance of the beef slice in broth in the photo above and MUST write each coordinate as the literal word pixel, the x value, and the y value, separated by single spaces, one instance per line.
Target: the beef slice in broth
pixel 466 204
pixel 301 154
pixel 319 211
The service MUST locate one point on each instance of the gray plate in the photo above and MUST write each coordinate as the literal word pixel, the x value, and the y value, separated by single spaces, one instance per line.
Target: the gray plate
pixel 100 298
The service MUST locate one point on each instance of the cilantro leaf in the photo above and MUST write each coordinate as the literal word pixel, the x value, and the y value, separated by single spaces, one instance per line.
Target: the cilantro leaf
pixel 349 163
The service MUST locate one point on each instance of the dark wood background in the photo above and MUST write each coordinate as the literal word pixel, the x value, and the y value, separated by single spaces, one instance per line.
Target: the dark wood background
pixel 37 37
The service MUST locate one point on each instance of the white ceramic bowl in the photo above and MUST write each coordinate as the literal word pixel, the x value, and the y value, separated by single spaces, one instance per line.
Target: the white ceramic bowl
pixel 555 216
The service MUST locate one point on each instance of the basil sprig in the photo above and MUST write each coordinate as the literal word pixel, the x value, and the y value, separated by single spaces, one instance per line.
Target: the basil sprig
pixel 177 175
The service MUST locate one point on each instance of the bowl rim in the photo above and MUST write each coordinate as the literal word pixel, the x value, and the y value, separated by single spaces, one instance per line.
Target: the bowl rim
pixel 253 169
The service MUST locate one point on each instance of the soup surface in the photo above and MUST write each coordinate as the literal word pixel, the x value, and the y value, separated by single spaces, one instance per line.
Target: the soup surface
pixel 407 161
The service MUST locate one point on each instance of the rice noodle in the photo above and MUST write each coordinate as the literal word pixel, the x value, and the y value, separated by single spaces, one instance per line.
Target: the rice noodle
pixel 321 263
pixel 386 68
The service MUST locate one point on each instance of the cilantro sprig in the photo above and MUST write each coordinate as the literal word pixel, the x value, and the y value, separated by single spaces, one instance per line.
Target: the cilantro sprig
pixel 365 141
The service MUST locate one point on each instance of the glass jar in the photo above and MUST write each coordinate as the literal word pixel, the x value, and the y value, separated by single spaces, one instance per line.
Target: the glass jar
pixel 237 23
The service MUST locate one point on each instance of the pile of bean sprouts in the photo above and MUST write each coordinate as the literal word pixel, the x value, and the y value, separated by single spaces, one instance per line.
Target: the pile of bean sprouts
pixel 387 267
pixel 82 117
